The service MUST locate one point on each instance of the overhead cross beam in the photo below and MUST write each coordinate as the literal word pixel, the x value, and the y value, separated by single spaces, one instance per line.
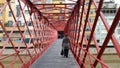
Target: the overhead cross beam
pixel 56 12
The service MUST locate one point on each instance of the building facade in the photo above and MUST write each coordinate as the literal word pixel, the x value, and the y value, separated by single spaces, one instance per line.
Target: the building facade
pixel 109 10
pixel 6 19
pixel 9 23
pixel 91 21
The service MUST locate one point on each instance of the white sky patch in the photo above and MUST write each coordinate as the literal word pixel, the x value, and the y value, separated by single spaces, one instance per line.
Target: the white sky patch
pixel 117 1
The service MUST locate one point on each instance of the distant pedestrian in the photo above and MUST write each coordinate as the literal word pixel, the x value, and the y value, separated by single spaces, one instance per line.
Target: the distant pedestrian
pixel 65 46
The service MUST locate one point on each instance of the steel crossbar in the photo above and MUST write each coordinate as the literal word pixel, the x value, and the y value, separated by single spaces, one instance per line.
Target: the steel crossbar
pixel 34 39
pixel 80 44
pixel 26 43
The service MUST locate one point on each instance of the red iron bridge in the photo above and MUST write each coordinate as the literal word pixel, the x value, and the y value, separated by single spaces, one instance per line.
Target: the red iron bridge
pixel 38 45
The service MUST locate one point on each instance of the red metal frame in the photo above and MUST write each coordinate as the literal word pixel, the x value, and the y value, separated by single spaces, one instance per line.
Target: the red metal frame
pixel 43 35
pixel 44 31
pixel 80 52
pixel 55 15
pixel 116 44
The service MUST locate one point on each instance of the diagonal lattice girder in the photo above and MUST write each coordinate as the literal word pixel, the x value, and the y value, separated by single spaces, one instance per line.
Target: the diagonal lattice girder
pixel 31 40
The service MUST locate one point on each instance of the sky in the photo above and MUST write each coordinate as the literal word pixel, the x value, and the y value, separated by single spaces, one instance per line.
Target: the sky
pixel 116 1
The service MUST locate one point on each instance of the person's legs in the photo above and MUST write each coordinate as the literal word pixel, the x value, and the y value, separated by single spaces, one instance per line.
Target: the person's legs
pixel 66 52
pixel 62 52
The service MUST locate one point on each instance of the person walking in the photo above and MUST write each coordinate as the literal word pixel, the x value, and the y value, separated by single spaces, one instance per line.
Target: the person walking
pixel 65 46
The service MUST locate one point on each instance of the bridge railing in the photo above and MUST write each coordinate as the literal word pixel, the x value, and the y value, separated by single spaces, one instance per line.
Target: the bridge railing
pixel 81 30
pixel 25 34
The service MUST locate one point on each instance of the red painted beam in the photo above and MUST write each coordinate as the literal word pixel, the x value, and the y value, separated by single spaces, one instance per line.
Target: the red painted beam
pixel 56 4
pixel 108 37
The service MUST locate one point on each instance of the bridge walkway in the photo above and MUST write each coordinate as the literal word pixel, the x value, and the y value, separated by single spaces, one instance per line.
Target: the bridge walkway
pixel 52 58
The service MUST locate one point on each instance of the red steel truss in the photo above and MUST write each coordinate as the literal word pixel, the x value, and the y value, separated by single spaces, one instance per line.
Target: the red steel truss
pixel 41 34
pixel 46 20
pixel 76 28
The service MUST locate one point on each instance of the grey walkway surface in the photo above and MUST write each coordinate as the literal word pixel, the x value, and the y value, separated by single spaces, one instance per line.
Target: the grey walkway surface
pixel 53 59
